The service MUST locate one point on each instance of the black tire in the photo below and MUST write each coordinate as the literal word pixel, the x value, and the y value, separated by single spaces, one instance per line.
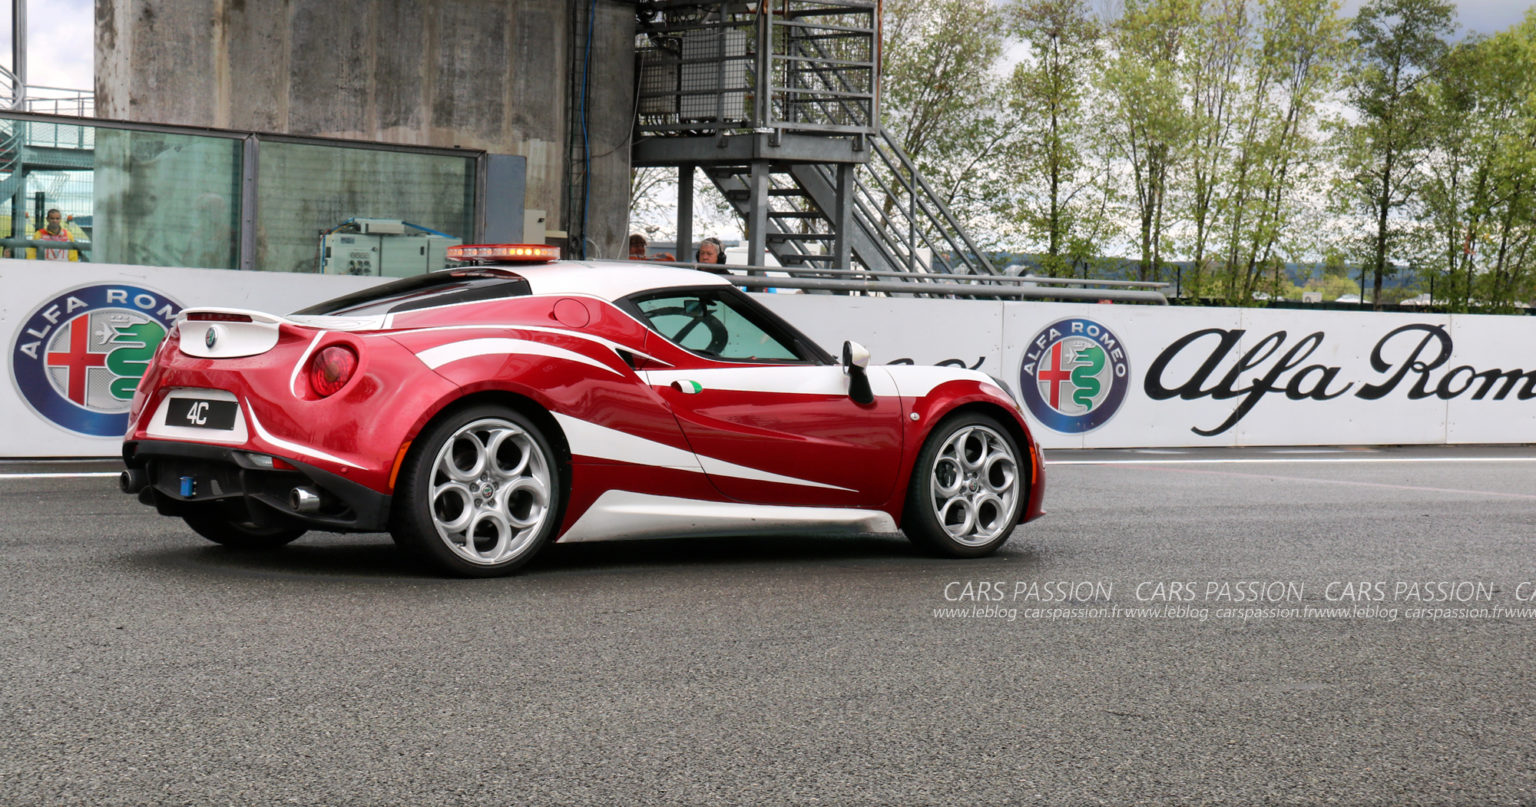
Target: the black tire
pixel 240 535
pixel 480 494
pixel 968 488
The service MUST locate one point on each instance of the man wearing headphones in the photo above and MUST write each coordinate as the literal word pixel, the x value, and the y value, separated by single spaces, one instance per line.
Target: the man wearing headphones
pixel 711 251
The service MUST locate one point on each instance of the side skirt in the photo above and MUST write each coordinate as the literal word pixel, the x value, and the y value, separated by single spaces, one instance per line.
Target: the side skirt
pixel 625 514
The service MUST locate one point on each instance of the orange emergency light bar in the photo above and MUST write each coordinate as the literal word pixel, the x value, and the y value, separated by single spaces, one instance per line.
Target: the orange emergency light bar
pixel 504 253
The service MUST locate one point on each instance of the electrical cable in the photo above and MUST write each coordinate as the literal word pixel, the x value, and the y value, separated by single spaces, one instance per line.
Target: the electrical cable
pixel 586 150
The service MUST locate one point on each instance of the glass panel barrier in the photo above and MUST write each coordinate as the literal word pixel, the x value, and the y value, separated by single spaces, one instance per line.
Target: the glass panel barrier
pixel 166 199
pixel 306 192
pixel 172 196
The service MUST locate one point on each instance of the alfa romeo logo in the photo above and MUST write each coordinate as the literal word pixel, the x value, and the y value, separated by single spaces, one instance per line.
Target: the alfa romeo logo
pixel 78 358
pixel 1074 375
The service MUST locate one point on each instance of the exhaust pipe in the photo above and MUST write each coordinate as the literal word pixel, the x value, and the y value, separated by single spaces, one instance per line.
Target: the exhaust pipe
pixel 304 500
pixel 132 480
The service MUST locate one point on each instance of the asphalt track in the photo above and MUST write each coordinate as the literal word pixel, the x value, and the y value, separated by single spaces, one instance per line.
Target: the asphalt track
pixel 142 665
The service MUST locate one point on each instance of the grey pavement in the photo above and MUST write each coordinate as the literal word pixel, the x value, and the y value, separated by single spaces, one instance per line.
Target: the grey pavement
pixel 143 665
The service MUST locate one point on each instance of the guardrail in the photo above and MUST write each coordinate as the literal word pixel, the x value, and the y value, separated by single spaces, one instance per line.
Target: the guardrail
pixel 83 247
pixel 985 287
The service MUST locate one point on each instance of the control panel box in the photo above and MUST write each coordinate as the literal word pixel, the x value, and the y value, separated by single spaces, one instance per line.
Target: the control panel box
pixel 384 255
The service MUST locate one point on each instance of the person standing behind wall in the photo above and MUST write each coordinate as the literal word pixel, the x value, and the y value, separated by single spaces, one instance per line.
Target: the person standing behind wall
pixel 53 230
pixel 711 251
pixel 637 250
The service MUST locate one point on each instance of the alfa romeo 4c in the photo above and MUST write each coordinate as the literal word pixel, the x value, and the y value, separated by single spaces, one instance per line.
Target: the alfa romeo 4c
pixel 479 413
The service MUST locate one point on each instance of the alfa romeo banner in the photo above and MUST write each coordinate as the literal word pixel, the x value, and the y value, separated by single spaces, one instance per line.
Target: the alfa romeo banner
pixel 79 336
pixel 1103 376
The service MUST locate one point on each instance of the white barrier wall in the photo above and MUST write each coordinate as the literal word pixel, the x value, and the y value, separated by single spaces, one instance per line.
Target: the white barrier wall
pixel 78 336
pixel 1091 376
pixel 1145 376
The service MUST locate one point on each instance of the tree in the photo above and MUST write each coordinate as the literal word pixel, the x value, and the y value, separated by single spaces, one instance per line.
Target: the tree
pixel 1501 209
pixel 1218 48
pixel 1289 69
pixel 1046 95
pixel 1150 128
pixel 940 98
pixel 1401 44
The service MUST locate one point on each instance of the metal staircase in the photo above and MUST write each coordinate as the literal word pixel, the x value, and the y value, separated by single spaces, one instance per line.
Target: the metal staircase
pixel 778 103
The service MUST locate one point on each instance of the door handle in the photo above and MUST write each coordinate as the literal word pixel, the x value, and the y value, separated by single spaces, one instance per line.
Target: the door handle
pixel 688 387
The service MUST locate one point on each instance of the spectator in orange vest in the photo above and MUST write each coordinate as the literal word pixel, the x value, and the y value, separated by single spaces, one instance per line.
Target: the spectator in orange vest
pixel 54 230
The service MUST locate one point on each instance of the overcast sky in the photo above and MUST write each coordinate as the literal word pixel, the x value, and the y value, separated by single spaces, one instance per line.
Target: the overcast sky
pixel 61 39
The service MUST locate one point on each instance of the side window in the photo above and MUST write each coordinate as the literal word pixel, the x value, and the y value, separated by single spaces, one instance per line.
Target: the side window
pixel 712 325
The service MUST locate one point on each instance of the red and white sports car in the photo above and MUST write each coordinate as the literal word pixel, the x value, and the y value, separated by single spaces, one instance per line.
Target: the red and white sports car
pixel 479 413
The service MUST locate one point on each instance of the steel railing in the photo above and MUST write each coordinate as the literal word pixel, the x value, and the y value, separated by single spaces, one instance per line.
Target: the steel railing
pixel 723 67
pixel 994 287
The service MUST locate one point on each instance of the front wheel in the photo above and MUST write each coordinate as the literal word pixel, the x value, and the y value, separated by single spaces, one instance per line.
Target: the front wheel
pixel 238 534
pixel 480 493
pixel 967 488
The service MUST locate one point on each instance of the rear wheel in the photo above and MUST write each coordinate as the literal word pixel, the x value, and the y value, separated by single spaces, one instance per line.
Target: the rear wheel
pixel 240 534
pixel 967 489
pixel 480 494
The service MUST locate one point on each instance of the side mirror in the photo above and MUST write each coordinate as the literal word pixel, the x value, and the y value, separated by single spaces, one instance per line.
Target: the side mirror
pixel 855 360
pixel 855 355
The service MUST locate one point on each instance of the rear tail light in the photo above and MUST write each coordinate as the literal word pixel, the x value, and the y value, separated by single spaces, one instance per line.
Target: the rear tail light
pixel 217 316
pixel 331 369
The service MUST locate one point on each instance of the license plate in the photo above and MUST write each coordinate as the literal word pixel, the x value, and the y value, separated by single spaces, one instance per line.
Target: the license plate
pixel 201 413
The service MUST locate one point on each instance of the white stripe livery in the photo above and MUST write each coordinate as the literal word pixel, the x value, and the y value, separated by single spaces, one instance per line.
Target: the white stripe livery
pixel 588 439
pixel 886 380
pixel 436 357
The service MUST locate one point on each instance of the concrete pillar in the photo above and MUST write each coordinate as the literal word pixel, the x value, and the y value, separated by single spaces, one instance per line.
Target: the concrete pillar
pixel 480 74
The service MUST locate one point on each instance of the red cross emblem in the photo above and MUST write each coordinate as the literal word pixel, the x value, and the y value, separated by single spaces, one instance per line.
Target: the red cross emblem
pixel 78 358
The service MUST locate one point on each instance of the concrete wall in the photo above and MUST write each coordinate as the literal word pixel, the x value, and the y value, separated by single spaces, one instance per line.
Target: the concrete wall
pixel 482 74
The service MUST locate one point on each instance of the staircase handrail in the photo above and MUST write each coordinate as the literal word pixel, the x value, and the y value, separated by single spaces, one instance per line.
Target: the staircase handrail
pixel 923 200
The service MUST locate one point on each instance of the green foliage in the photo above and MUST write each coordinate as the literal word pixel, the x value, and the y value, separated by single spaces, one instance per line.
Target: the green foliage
pixel 1204 131
pixel 1149 128
pixel 1064 211
pixel 1478 218
pixel 1400 45
pixel 1334 286
pixel 941 98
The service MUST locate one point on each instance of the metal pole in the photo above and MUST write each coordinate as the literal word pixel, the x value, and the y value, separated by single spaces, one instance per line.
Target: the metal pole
pixel 684 211
pixel 19 51
pixel 250 162
pixel 757 214
pixel 842 248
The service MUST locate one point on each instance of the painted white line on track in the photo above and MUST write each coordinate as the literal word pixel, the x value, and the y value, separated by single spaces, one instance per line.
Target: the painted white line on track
pixel 1192 461
pixel 91 475
pixel 1289 460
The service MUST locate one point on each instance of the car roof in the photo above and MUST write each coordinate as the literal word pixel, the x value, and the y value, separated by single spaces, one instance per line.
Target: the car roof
pixel 611 280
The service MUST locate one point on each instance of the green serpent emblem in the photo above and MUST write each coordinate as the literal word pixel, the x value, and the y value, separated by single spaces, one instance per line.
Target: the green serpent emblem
pixel 139 343
pixel 1085 375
